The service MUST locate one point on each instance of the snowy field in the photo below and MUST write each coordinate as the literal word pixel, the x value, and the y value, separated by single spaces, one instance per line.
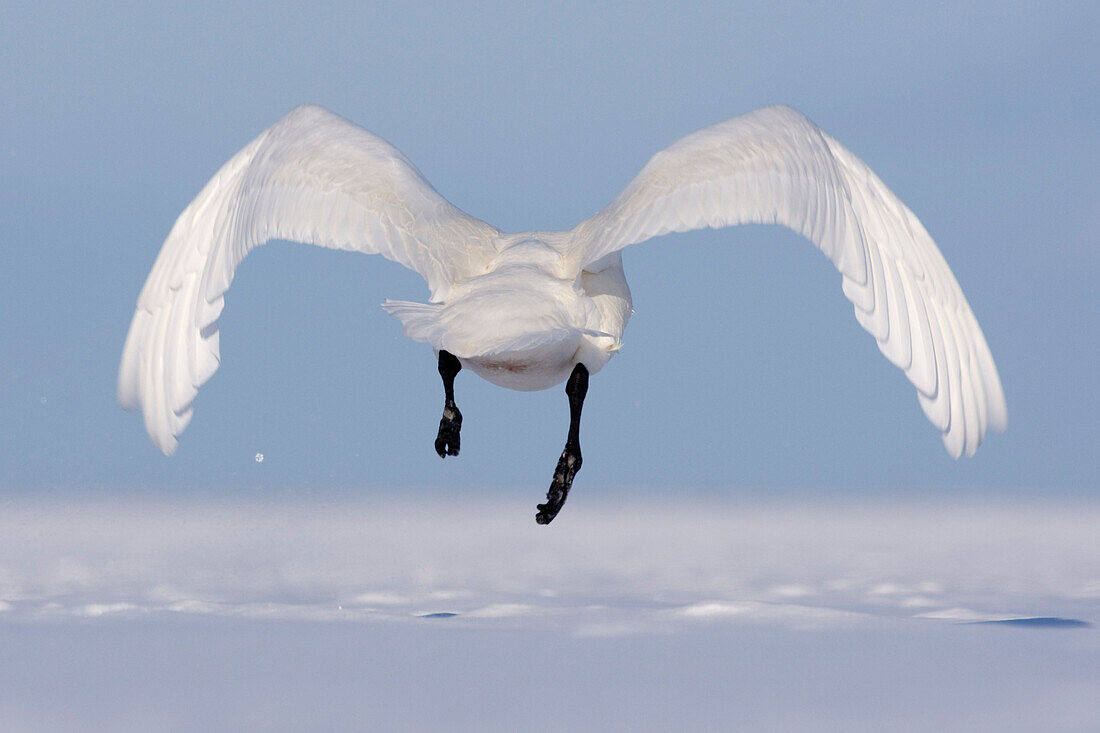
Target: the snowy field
pixel 381 614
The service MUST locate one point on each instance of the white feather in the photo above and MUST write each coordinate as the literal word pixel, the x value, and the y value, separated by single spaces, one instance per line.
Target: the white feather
pixel 312 177
pixel 522 309
pixel 786 170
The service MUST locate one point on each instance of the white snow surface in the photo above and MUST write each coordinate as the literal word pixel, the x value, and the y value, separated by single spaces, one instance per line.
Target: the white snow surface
pixel 462 614
pixel 611 566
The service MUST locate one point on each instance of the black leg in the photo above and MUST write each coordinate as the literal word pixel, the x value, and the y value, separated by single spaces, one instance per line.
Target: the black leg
pixel 447 442
pixel 570 461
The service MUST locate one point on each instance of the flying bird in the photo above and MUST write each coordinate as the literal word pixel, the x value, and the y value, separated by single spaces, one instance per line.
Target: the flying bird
pixel 530 310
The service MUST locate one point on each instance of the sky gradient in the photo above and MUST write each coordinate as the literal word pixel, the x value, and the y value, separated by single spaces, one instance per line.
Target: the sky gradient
pixel 743 369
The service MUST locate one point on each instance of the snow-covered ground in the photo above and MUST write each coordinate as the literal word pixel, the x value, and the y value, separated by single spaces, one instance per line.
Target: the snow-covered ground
pixel 625 614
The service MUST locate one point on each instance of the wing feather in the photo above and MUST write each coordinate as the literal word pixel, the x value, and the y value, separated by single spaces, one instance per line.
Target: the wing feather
pixel 312 177
pixel 775 166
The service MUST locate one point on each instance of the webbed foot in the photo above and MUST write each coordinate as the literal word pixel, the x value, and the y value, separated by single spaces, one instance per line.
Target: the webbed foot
pixel 568 465
pixel 447 440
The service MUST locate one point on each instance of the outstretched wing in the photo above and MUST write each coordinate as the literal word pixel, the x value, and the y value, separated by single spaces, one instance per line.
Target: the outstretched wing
pixel 312 177
pixel 775 166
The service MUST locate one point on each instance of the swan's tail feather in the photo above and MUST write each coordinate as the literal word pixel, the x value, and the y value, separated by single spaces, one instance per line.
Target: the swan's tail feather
pixel 428 323
pixel 420 320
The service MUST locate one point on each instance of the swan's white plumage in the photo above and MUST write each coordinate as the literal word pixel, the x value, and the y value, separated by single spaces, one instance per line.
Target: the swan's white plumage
pixel 312 177
pixel 521 309
pixel 775 166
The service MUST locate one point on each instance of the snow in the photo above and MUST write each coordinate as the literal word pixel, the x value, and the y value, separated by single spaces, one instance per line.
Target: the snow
pixel 437 613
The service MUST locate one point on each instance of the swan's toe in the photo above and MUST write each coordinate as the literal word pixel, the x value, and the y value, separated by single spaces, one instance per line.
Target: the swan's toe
pixel 568 465
pixel 447 442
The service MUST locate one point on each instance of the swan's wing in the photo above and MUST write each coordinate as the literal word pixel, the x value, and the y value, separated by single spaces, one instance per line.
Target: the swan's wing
pixel 312 177
pixel 775 166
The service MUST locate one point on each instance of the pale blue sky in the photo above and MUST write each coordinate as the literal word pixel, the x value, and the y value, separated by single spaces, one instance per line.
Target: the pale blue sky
pixel 743 367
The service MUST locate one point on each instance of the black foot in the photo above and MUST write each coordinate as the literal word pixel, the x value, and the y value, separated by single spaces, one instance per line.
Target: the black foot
pixel 447 441
pixel 568 465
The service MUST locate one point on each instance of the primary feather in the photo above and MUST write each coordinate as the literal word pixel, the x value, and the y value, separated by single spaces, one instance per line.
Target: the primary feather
pixel 775 166
pixel 312 177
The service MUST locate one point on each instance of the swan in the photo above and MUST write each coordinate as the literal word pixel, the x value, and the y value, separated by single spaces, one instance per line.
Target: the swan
pixel 530 310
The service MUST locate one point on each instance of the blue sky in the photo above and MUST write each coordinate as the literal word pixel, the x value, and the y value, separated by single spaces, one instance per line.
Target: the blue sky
pixel 743 368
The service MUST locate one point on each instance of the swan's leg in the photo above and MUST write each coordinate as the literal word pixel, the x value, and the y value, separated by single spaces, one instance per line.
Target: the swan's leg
pixel 570 461
pixel 446 442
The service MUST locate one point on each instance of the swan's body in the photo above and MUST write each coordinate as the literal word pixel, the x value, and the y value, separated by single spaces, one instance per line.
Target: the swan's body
pixel 528 320
pixel 527 311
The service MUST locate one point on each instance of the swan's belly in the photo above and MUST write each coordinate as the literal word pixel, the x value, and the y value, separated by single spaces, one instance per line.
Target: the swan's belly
pixel 530 369
pixel 521 328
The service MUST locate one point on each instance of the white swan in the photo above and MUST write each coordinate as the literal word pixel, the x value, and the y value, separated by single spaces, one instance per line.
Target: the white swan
pixel 529 310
